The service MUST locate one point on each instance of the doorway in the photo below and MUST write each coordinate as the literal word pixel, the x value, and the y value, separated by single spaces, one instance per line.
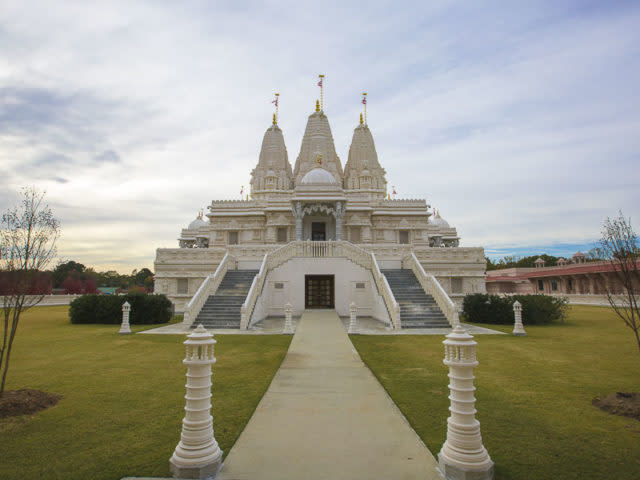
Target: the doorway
pixel 318 231
pixel 319 291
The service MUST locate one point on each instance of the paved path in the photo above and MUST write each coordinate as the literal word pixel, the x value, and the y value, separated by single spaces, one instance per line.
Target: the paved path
pixel 325 416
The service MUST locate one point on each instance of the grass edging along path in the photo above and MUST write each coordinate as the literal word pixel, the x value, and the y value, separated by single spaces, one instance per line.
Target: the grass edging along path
pixel 533 395
pixel 123 397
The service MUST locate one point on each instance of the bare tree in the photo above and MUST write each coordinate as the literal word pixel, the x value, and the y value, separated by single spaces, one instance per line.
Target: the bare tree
pixel 28 235
pixel 619 245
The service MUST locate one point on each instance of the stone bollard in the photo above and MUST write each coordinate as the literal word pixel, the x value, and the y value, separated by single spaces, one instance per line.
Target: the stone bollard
pixel 463 457
pixel 124 327
pixel 353 310
pixel 288 324
pixel 197 455
pixel 518 328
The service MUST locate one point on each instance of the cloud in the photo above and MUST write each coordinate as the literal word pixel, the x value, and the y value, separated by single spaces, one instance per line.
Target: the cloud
pixel 519 123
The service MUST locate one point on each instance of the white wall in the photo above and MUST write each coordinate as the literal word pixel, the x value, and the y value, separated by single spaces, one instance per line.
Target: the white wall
pixel 292 276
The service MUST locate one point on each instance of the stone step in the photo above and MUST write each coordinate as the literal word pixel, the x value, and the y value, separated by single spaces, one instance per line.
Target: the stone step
pixel 417 308
pixel 222 310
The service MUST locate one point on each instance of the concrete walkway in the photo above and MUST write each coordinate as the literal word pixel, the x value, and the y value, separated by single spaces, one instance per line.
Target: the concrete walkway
pixel 325 416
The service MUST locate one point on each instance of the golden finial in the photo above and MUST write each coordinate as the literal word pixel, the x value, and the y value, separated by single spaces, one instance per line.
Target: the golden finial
pixel 321 85
pixel 317 105
pixel 274 118
pixel 364 102
pixel 361 119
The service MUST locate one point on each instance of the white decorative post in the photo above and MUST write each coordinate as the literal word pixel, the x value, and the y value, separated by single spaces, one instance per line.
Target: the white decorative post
pixel 288 324
pixel 463 457
pixel 353 310
pixel 124 327
pixel 197 455
pixel 518 328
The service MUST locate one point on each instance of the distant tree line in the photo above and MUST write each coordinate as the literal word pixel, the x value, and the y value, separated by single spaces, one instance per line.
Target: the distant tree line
pixel 74 278
pixel 515 261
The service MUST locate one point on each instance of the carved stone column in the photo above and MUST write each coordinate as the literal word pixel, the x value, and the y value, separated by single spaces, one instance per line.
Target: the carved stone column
pixel 518 328
pixel 288 324
pixel 463 456
pixel 197 455
pixel 339 217
pixel 124 327
pixel 353 312
pixel 299 214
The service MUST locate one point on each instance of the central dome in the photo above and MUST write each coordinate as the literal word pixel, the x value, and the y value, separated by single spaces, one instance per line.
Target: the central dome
pixel 318 175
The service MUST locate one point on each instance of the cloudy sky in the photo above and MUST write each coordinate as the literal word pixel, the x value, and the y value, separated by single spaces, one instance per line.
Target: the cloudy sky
pixel 519 121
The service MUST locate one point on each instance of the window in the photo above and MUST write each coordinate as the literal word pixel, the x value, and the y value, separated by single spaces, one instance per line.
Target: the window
pixel 355 234
pixel 233 238
pixel 456 285
pixel 554 285
pixel 360 285
pixel 278 285
pixel 183 285
pixel 404 236
pixel 540 285
pixel 282 234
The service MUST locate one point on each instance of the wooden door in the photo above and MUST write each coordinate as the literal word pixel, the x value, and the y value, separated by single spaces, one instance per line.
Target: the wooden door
pixel 319 291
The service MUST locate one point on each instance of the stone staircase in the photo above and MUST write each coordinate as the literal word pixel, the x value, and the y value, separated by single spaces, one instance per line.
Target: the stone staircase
pixel 417 308
pixel 222 310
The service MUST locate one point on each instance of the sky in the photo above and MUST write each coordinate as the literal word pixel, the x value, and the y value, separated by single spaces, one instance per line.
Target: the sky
pixel 518 121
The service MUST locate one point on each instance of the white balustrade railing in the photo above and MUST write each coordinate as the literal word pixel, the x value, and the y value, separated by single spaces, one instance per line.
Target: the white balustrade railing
pixel 385 291
pixel 207 288
pixel 254 292
pixel 311 249
pixel 431 285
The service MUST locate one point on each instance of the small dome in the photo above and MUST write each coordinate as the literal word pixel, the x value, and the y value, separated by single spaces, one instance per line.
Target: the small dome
pixel 197 223
pixel 578 254
pixel 318 175
pixel 438 221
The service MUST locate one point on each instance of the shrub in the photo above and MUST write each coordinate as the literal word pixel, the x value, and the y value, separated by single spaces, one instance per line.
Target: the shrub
pixel 145 309
pixel 495 309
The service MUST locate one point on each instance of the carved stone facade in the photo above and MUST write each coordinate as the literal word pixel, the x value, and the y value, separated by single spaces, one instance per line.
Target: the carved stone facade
pixel 316 200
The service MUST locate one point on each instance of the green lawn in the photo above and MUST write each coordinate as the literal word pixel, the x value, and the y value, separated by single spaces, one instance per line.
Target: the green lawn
pixel 534 395
pixel 123 397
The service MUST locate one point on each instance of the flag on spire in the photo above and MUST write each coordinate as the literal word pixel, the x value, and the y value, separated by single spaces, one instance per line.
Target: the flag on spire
pixel 364 100
pixel 320 82
pixel 275 101
pixel 393 191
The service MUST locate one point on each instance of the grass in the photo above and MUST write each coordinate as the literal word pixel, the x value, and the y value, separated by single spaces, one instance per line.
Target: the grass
pixel 534 395
pixel 123 397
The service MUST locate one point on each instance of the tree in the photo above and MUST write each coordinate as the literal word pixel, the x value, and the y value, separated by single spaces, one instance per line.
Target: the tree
pixel 64 269
pixel 28 235
pixel 619 245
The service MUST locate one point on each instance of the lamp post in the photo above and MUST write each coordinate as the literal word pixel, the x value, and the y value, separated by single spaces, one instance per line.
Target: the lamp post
pixel 125 327
pixel 353 310
pixel 288 324
pixel 197 455
pixel 518 328
pixel 463 456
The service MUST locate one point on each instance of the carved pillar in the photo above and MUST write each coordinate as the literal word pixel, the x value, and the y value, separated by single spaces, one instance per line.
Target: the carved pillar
pixel 463 455
pixel 339 217
pixel 197 455
pixel 366 234
pixel 299 214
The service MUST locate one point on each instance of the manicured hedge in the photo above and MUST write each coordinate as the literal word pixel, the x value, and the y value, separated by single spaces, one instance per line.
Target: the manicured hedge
pixel 536 309
pixel 145 309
